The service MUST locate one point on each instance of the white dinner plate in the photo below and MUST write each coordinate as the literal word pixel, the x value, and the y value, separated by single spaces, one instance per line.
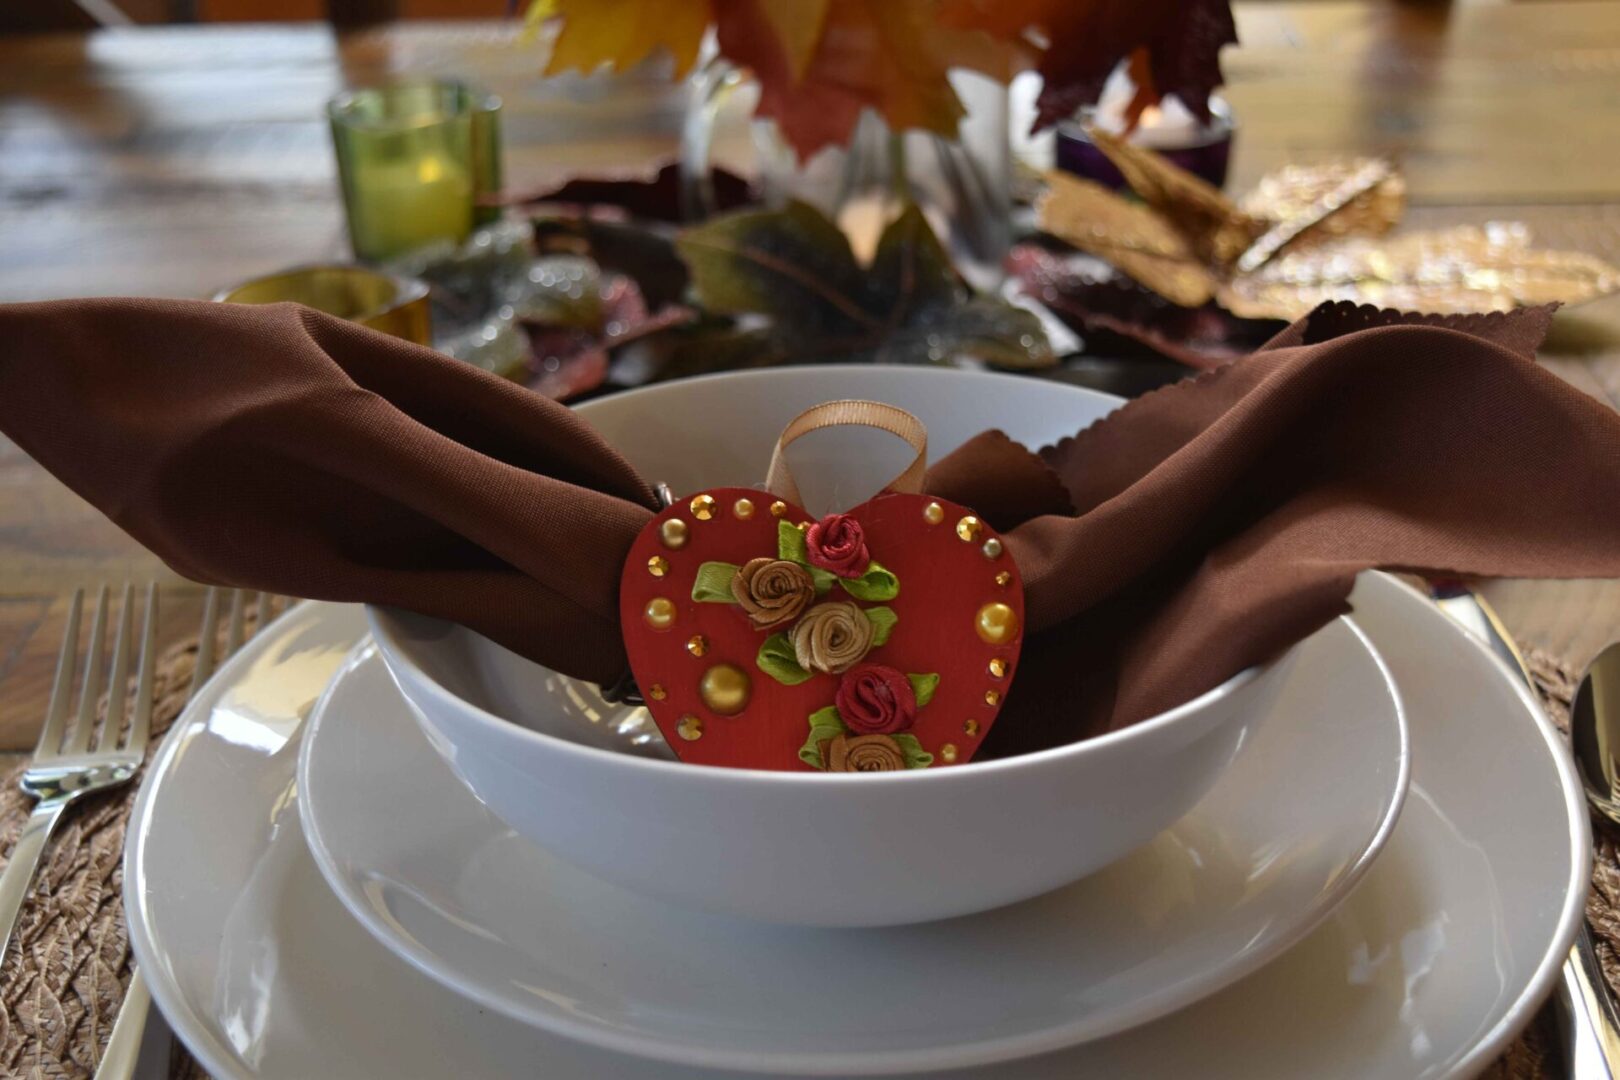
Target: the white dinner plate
pixel 439 879
pixel 1431 965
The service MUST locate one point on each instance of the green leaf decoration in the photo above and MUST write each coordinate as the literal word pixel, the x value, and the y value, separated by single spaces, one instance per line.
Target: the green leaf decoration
pixel 882 620
pixel 826 724
pixel 924 686
pixel 877 583
pixel 795 267
pixel 713 584
pixel 776 659
pixel 790 545
pixel 916 756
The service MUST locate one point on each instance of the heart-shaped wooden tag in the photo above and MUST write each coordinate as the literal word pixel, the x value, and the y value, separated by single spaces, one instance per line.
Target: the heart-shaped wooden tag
pixel 880 639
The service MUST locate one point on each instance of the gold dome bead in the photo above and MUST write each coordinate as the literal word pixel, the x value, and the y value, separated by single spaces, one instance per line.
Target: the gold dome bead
pixel 933 513
pixel 660 613
pixel 673 533
pixel 690 727
pixel 697 645
pixel 996 624
pixel 992 548
pixel 743 509
pixel 703 507
pixel 657 566
pixel 725 689
pixel 968 528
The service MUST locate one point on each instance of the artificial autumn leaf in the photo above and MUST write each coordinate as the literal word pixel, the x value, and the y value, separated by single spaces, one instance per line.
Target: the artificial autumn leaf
pixel 892 57
pixel 622 33
pixel 794 267
pixel 1174 45
pixel 792 30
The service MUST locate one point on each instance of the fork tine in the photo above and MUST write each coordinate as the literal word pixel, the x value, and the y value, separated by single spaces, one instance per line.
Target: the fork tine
pixel 118 683
pixel 140 721
pixel 90 688
pixel 233 635
pixel 205 642
pixel 264 612
pixel 50 735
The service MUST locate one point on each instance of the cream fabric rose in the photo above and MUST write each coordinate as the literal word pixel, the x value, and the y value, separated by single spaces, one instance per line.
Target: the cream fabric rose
pixel 772 591
pixel 864 753
pixel 831 637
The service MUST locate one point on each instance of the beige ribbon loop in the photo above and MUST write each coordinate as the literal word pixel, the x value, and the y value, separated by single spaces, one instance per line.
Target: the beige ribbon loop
pixel 873 414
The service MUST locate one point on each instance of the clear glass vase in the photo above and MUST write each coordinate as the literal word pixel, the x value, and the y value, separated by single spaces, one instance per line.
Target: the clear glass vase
pixel 962 185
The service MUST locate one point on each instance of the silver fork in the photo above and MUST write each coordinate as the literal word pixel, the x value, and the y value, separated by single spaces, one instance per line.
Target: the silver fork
pixel 123 1051
pixel 66 767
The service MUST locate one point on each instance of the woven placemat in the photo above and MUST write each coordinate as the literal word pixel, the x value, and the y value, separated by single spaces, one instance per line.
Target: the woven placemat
pixel 70 963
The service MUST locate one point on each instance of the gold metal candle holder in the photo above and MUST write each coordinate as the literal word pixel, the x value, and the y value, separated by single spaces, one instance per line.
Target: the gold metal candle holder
pixel 394 305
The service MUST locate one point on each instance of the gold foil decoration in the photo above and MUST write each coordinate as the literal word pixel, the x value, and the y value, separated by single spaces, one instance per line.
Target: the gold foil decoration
pixel 1305 235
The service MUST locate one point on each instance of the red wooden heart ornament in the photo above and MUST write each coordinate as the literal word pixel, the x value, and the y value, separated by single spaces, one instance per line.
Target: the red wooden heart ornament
pixel 876 640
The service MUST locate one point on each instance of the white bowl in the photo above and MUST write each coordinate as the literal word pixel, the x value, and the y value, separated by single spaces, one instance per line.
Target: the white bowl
pixel 583 779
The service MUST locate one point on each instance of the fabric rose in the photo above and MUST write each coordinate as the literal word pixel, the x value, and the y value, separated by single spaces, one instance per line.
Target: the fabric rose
pixel 875 700
pixel 863 753
pixel 772 591
pixel 831 637
pixel 838 543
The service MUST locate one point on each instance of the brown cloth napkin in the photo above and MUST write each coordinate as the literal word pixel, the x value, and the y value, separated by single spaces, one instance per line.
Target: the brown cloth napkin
pixel 1196 531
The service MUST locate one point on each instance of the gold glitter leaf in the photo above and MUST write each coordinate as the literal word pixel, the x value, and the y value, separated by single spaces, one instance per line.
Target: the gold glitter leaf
pixel 1463 269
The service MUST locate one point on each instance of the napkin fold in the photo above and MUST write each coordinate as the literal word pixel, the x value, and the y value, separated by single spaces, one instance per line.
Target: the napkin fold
pixel 1194 532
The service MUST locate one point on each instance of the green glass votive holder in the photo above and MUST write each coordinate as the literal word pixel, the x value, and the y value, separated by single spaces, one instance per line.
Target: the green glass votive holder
pixel 413 157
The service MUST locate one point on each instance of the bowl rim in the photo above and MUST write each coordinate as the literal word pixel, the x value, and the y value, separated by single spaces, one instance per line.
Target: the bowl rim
pixel 393 655
pixel 1091 745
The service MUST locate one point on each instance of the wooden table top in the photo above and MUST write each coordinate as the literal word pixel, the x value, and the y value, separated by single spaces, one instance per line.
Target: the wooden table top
pixel 172 161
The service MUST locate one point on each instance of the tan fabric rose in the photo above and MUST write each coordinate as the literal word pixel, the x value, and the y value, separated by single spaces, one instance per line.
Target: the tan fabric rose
pixel 831 637
pixel 772 591
pixel 863 753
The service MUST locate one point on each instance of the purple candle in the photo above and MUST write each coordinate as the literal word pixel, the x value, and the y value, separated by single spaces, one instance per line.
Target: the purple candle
pixel 1205 150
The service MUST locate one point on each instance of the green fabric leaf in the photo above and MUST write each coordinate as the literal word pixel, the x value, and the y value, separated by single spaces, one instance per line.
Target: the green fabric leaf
pixel 882 620
pixel 713 583
pixel 916 756
pixel 825 724
pixel 790 545
pixel 876 583
pixel 924 686
pixel 776 659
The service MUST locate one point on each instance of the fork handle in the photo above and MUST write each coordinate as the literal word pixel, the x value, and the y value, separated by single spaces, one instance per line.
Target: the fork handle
pixel 19 872
pixel 124 1044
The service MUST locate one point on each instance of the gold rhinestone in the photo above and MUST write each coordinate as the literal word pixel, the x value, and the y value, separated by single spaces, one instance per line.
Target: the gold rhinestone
pixel 690 728
pixel 656 692
pixel 968 528
pixel 803 526
pixel 697 645
pixel 703 507
pixel 947 753
pixel 657 566
pixel 743 508
pixel 673 533
pixel 1004 578
pixel 933 513
pixel 996 624
pixel 660 613
pixel 998 668
pixel 992 697
pixel 725 689
pixel 778 508
pixel 971 729
pixel 992 548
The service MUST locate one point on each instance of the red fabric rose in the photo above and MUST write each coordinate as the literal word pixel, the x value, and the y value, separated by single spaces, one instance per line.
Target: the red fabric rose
pixel 875 700
pixel 838 543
